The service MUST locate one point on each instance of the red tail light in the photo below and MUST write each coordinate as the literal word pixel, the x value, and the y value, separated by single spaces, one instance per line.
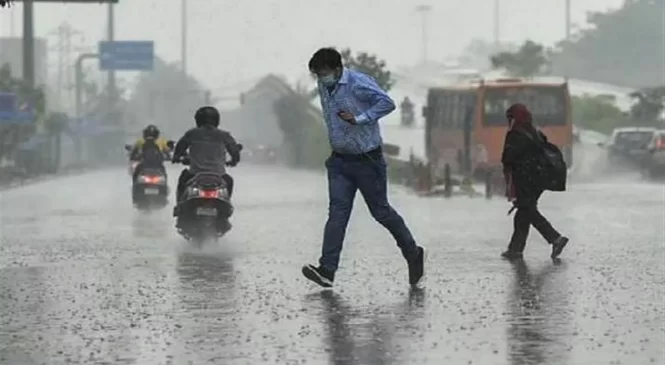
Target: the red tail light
pixel 152 179
pixel 660 143
pixel 209 194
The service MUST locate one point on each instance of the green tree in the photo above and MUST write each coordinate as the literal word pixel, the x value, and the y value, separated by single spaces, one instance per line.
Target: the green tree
pixel 649 104
pixel 528 61
pixel 623 47
pixel 370 65
pixel 598 113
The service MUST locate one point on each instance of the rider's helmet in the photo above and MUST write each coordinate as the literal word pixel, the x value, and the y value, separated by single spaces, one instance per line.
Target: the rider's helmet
pixel 207 115
pixel 151 132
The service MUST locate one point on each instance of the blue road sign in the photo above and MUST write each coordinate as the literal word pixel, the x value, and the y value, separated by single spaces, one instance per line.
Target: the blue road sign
pixel 16 117
pixel 126 55
pixel 12 113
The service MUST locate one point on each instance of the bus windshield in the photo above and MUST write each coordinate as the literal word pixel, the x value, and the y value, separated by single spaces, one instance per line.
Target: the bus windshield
pixel 546 103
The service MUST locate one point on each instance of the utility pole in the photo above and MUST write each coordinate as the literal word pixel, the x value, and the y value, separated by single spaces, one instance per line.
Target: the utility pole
pixel 424 11
pixel 64 33
pixel 568 24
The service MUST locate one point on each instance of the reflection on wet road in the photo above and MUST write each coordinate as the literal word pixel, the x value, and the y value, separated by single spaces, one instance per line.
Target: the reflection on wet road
pixel 86 279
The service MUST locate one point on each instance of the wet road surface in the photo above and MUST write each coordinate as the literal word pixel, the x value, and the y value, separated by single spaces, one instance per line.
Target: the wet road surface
pixel 86 279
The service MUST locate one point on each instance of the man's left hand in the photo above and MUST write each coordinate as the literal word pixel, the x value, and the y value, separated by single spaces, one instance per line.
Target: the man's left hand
pixel 348 117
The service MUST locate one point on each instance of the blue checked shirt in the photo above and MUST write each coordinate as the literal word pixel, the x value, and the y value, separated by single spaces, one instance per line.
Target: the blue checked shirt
pixel 360 95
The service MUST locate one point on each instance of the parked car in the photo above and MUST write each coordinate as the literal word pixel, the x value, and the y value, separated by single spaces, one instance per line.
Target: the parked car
pixel 629 144
pixel 654 161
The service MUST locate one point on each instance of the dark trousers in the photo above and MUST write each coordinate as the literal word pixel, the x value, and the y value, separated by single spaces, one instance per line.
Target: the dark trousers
pixel 528 215
pixel 367 173
pixel 186 175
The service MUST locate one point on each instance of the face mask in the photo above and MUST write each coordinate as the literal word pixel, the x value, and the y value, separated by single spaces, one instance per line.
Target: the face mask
pixel 328 80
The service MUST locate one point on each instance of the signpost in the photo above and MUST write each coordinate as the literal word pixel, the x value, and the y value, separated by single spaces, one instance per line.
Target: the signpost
pixel 126 55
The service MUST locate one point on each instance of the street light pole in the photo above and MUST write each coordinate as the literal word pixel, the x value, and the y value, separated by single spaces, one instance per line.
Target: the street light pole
pixel 78 69
pixel 568 25
pixel 424 11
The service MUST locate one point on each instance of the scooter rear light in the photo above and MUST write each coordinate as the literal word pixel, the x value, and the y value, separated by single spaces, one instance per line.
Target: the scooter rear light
pixel 152 179
pixel 209 194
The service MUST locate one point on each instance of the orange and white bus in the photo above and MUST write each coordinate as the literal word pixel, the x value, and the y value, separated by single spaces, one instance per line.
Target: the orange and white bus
pixel 472 116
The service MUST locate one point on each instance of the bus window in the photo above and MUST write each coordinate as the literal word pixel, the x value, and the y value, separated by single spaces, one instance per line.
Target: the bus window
pixel 547 104
pixel 451 108
pixel 439 111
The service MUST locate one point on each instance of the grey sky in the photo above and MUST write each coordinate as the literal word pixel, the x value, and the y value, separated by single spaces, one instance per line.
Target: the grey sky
pixel 232 40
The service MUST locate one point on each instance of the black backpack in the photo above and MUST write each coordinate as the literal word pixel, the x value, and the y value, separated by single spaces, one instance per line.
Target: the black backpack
pixel 552 166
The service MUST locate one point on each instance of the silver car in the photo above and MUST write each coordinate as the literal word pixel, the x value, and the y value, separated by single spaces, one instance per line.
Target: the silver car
pixel 629 144
pixel 654 161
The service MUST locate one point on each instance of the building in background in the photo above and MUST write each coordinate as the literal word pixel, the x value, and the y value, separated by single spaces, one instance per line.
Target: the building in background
pixel 255 122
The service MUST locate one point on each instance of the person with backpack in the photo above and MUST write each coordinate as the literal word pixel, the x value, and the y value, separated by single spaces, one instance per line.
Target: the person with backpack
pixel 531 165
pixel 150 151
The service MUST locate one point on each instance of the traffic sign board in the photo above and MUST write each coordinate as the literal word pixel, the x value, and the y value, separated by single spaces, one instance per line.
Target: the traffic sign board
pixel 12 113
pixel 126 55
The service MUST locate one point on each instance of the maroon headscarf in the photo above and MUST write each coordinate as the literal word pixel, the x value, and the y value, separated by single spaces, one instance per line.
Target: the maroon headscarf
pixel 519 116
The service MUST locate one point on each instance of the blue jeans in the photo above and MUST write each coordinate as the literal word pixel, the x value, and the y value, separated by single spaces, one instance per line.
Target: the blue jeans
pixel 368 176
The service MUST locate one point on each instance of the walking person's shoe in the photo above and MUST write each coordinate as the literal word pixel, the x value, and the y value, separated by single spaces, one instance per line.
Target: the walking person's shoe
pixel 417 267
pixel 558 245
pixel 512 255
pixel 319 275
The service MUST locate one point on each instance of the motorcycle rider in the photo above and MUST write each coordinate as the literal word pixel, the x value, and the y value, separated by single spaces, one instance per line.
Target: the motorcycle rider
pixel 207 146
pixel 150 151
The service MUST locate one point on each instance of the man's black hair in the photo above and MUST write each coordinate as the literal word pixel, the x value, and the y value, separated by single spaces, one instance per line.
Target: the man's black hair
pixel 327 57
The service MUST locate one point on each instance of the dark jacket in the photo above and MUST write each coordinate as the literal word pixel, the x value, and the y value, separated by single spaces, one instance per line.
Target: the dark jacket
pixel 520 159
pixel 207 149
